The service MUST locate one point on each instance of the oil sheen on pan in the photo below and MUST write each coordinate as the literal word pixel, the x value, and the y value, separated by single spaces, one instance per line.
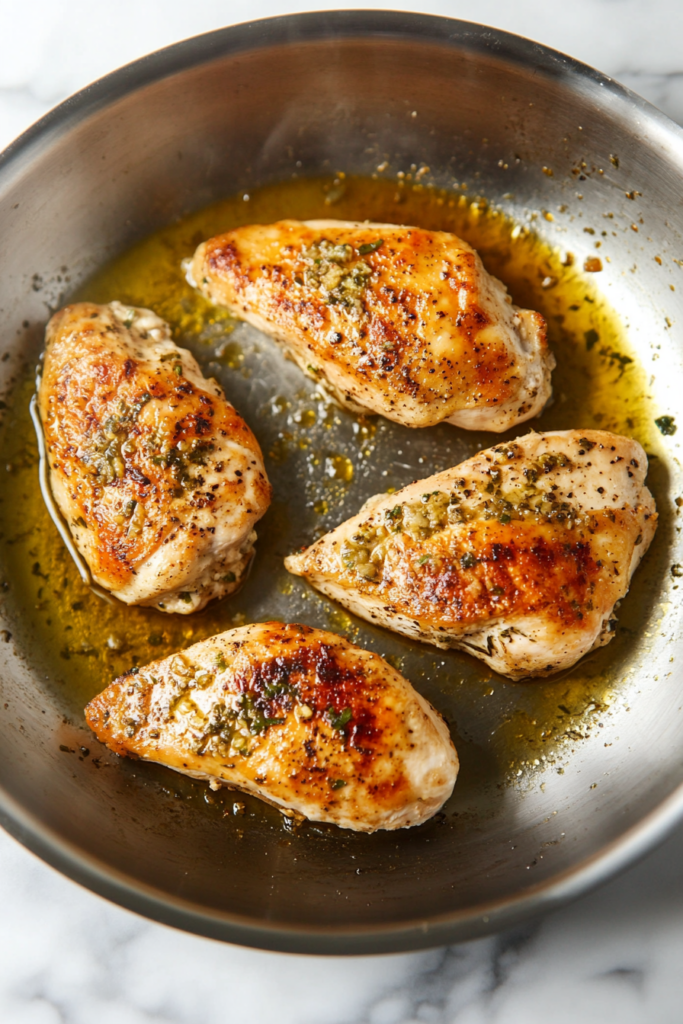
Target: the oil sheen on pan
pixel 324 463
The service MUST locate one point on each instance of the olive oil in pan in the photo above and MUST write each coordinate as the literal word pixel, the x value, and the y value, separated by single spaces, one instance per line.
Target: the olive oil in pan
pixel 324 463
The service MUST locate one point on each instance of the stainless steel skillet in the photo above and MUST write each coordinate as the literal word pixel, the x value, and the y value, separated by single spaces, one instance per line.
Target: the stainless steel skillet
pixel 306 94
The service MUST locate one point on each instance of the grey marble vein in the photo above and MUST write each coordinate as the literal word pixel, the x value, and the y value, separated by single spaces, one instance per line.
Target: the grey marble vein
pixel 664 90
pixel 69 956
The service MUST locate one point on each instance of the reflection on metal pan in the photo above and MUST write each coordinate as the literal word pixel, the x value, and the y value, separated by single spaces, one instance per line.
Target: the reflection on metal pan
pixel 556 147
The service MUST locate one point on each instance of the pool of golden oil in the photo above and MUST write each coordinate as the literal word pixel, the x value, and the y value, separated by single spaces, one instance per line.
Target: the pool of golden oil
pixel 324 463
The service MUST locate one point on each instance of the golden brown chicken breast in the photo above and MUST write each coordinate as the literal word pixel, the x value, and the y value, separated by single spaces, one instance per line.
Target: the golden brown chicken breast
pixel 297 716
pixel 157 476
pixel 517 555
pixel 392 320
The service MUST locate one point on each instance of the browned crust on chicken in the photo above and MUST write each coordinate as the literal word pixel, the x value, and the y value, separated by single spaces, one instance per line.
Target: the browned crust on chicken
pixel 518 555
pixel 296 715
pixel 414 329
pixel 517 570
pixel 144 452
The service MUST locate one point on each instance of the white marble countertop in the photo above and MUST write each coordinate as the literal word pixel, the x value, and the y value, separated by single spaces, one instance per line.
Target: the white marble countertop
pixel 68 956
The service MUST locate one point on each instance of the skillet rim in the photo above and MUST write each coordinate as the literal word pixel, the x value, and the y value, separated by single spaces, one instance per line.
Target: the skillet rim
pixel 93 873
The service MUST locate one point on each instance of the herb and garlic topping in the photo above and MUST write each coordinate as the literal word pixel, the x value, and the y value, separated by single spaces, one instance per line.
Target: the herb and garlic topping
pixel 526 499
pixel 541 535
pixel 338 272
pixel 159 479
pixel 295 715
pixel 389 319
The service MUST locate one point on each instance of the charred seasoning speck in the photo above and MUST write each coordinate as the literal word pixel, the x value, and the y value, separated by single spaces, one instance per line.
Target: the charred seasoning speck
pixel 666 425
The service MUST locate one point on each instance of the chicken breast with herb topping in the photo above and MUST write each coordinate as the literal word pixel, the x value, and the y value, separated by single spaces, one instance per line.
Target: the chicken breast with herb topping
pixel 157 476
pixel 518 555
pixel 392 320
pixel 297 716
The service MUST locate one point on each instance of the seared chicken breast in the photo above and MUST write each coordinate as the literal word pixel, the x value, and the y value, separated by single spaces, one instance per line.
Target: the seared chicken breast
pixel 518 555
pixel 391 320
pixel 157 476
pixel 296 716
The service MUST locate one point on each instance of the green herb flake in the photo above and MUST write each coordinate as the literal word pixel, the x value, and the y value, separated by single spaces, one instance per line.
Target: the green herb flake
pixel 340 276
pixel 363 250
pixel 341 720
pixel 177 369
pixel 254 718
pixel 666 425
pixel 187 598
pixel 423 560
pixel 144 398
pixel 337 783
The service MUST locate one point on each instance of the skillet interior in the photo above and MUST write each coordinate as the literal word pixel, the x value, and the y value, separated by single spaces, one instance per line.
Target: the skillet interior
pixel 309 94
